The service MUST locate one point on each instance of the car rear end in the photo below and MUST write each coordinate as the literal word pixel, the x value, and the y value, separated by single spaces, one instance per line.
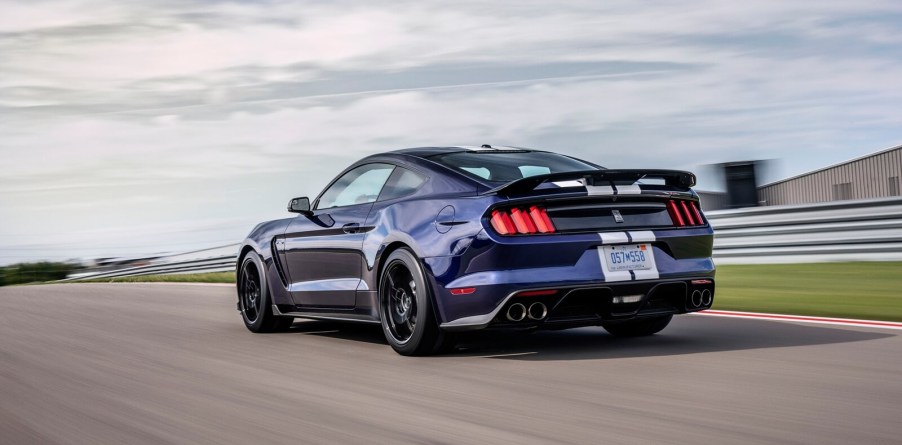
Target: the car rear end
pixel 577 248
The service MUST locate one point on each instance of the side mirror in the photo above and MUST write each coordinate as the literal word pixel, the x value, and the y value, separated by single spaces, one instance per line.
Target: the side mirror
pixel 300 205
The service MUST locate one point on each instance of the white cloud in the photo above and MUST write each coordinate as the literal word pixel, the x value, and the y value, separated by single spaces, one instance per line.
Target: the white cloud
pixel 129 114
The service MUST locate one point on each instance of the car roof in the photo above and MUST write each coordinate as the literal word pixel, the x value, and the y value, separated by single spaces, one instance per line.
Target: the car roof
pixel 429 151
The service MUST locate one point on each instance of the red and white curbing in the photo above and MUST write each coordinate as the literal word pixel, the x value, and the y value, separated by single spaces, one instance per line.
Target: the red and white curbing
pixel 805 319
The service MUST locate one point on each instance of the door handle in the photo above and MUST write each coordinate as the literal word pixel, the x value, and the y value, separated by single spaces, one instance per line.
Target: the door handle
pixel 351 228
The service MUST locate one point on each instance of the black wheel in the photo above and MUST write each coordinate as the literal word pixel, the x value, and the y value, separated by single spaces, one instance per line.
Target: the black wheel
pixel 405 306
pixel 638 328
pixel 253 298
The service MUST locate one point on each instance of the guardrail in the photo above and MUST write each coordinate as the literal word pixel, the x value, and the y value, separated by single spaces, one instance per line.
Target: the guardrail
pixel 868 230
pixel 215 264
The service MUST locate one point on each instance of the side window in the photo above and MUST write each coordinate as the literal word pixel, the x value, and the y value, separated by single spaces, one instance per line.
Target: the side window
pixel 358 186
pixel 402 183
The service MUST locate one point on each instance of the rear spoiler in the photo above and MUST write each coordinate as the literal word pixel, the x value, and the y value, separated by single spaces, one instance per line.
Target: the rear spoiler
pixel 675 178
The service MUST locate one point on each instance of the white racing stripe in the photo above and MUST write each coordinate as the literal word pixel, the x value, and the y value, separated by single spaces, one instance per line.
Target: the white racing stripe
pixel 645 236
pixel 599 190
pixel 602 190
pixel 629 189
pixel 614 238
pixel 568 183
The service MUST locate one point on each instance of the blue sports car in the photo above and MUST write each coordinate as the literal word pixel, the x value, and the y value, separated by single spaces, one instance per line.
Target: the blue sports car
pixel 430 242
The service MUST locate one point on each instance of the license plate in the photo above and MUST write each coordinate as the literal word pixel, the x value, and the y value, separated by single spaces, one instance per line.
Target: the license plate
pixel 628 257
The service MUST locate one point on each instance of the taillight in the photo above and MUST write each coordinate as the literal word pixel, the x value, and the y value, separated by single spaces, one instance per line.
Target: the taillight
pixel 540 217
pixel 502 223
pixel 684 213
pixel 521 221
pixel 675 215
pixel 689 217
pixel 697 212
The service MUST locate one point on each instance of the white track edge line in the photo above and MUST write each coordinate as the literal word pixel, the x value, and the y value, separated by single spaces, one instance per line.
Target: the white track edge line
pixel 805 319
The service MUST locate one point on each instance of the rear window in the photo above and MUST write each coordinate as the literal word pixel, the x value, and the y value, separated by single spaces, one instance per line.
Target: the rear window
pixel 506 166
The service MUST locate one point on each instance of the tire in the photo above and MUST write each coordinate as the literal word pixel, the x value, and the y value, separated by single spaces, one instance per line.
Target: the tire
pixel 254 300
pixel 637 328
pixel 405 307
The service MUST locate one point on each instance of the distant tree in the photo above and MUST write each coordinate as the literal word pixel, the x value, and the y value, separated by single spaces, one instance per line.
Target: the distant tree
pixel 35 272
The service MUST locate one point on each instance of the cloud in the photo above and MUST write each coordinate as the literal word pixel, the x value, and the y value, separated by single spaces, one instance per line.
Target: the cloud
pixel 135 114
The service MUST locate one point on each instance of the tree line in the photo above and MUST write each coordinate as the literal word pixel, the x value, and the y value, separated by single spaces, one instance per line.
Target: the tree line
pixel 35 272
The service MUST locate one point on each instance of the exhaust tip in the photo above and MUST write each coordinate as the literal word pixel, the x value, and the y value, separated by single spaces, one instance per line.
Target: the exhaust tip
pixel 707 298
pixel 516 312
pixel 537 311
pixel 696 299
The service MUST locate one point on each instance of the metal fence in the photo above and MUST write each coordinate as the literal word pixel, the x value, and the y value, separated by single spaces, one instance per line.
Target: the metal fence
pixel 869 230
pixel 837 231
pixel 224 263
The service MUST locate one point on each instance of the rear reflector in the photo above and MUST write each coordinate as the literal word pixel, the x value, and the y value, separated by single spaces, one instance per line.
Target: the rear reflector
pixel 521 221
pixel 698 282
pixel 537 293
pixel 684 213
pixel 463 291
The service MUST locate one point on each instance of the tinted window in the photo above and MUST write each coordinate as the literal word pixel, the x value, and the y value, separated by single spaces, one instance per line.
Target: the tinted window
pixel 358 186
pixel 402 183
pixel 505 166
pixel 534 170
pixel 482 172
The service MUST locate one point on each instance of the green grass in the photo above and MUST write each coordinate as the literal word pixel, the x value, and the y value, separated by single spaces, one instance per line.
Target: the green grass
pixel 847 290
pixel 209 277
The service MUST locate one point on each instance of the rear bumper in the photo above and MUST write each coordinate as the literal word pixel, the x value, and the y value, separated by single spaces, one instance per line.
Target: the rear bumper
pixel 494 270
pixel 591 304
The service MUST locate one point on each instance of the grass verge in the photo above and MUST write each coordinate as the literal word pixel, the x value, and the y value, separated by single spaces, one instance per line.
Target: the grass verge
pixel 871 291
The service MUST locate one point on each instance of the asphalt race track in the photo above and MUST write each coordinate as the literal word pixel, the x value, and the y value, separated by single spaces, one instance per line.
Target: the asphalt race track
pixel 150 363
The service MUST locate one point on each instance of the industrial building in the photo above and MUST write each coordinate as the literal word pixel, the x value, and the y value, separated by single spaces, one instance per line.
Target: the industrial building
pixel 873 176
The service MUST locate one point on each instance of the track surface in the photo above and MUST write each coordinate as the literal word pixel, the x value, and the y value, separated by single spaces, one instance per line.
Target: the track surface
pixel 146 363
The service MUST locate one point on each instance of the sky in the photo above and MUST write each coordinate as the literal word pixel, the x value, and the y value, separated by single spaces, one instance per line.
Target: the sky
pixel 132 128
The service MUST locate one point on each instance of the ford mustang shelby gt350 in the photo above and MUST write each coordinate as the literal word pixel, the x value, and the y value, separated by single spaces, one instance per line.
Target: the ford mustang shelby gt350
pixel 433 241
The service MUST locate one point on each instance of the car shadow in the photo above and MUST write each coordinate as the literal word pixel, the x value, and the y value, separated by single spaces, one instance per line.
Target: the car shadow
pixel 685 335
pixel 362 332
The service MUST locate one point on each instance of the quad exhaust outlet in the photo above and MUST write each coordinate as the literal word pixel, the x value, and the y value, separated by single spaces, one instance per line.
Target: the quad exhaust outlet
pixel 537 311
pixel 516 312
pixel 701 298
pixel 706 297
pixel 696 299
